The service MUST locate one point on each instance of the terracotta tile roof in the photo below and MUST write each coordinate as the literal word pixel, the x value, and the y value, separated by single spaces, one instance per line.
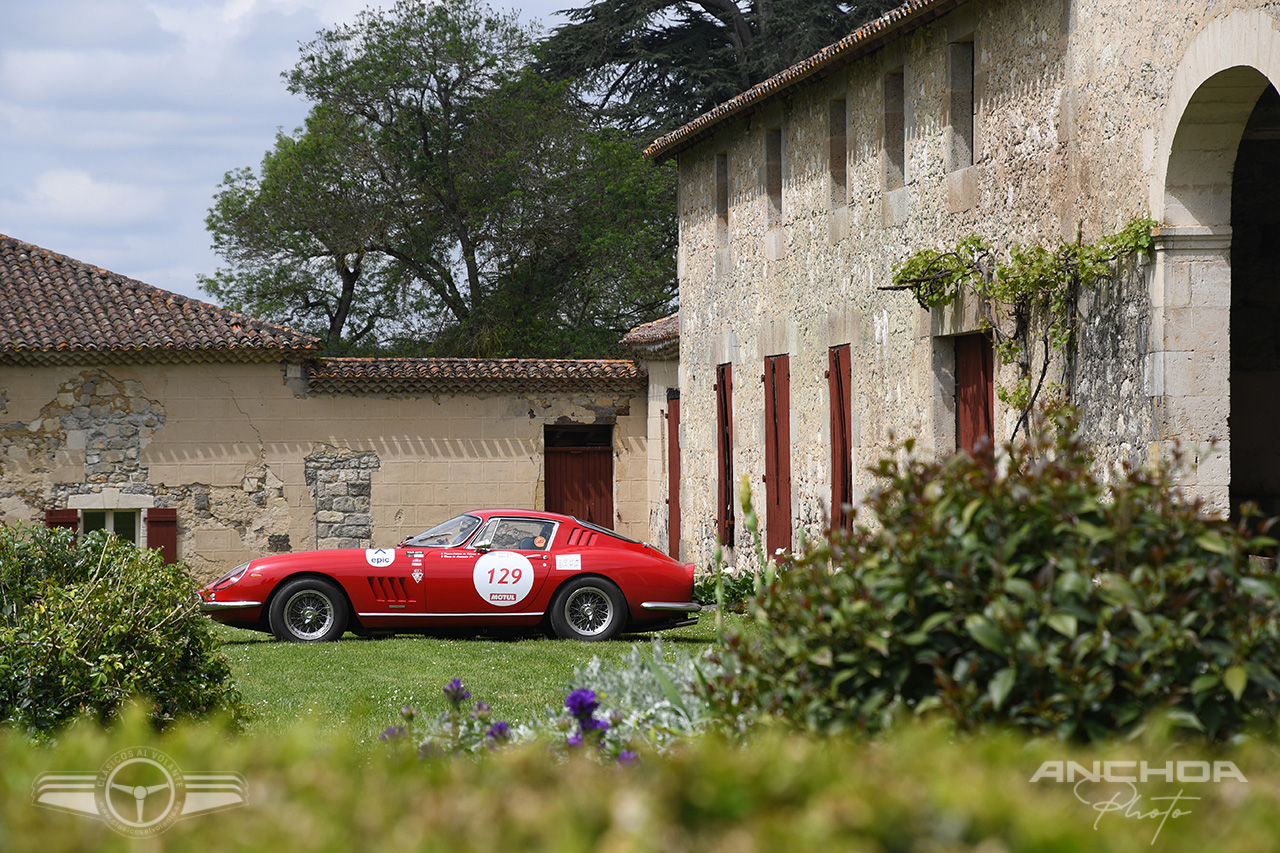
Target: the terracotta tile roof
pixel 412 376
pixel 657 340
pixel 57 310
pixel 867 38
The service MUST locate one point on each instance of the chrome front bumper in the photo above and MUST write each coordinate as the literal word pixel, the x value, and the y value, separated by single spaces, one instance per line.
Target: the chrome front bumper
pixel 212 606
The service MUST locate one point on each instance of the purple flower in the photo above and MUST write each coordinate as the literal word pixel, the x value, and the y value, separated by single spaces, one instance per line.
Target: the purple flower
pixel 582 703
pixel 628 758
pixel 408 713
pixel 499 732
pixel 574 740
pixel 594 725
pixel 482 711
pixel 455 692
pixel 392 733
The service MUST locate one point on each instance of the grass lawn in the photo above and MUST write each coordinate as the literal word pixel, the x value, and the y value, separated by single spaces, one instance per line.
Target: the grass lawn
pixel 360 685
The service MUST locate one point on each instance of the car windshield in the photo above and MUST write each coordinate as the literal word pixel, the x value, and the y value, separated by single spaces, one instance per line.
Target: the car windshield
pixel 450 534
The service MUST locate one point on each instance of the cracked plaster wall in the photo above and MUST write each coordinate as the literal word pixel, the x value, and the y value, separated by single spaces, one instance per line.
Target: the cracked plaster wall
pixel 241 455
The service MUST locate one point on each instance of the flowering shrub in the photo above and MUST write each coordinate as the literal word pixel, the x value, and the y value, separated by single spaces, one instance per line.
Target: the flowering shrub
pixel 646 703
pixel 460 729
pixel 652 698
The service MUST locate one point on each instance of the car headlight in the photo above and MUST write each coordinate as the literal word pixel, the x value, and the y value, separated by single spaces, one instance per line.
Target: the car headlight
pixel 230 578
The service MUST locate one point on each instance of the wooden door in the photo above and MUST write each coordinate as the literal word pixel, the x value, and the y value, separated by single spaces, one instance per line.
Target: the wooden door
pixel 777 452
pixel 975 393
pixel 673 473
pixel 580 481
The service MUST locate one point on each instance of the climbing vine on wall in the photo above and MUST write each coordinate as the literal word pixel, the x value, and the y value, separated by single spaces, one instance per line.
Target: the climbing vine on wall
pixel 1026 301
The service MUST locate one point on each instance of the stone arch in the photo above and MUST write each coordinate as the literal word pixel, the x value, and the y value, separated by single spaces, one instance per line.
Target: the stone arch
pixel 1217 84
pixel 1224 70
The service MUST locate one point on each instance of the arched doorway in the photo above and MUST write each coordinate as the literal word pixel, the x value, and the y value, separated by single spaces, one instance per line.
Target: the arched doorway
pixel 1255 310
pixel 1209 288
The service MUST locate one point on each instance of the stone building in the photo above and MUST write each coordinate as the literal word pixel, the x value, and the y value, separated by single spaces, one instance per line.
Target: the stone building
pixel 1023 121
pixel 218 437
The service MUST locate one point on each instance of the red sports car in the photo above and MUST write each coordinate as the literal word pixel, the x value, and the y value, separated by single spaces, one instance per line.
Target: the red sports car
pixel 482 569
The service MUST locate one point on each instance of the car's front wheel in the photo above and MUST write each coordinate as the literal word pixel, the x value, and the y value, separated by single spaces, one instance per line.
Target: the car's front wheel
pixel 588 609
pixel 308 610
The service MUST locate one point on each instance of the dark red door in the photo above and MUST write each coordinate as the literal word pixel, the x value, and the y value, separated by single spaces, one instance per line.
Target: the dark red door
pixel 580 483
pixel 673 473
pixel 725 487
pixel 975 393
pixel 839 378
pixel 777 452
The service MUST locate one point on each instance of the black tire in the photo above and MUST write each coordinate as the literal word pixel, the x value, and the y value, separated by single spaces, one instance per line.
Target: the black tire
pixel 590 609
pixel 308 610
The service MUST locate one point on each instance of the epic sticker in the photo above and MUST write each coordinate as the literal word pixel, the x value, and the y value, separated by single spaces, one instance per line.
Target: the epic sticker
pixel 503 578
pixel 379 557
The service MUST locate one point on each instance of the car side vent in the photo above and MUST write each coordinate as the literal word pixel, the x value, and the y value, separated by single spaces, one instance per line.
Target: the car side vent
pixel 388 589
pixel 581 536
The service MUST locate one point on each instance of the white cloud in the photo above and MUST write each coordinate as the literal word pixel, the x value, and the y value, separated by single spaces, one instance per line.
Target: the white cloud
pixel 119 118
pixel 66 197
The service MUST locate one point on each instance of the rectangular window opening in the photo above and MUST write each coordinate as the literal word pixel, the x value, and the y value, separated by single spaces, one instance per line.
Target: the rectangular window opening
pixel 722 200
pixel 838 153
pixel 773 175
pixel 895 133
pixel 962 104
pixel 123 523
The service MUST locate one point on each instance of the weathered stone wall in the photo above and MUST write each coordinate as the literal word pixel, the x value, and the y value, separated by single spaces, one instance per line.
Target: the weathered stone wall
pixel 252 465
pixel 1072 131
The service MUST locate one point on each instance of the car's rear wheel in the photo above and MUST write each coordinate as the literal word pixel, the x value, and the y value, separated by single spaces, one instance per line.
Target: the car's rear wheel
pixel 588 609
pixel 308 610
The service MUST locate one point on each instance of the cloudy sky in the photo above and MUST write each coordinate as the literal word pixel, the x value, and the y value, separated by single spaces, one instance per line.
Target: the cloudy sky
pixel 120 117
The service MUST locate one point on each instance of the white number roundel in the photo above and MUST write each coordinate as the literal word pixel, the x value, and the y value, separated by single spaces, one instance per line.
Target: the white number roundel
pixel 503 578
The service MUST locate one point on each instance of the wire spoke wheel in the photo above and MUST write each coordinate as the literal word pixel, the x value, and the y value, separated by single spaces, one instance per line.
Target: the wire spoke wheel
pixel 308 610
pixel 589 611
pixel 309 614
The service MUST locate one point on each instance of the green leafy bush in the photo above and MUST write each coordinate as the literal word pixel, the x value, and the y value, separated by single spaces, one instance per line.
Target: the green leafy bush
pixel 734 588
pixel 1016 588
pixel 87 623
pixel 916 789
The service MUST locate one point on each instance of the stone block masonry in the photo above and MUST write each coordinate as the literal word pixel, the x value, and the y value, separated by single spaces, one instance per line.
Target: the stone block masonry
pixel 341 485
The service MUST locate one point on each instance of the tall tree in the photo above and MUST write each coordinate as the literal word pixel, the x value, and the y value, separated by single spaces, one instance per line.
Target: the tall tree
pixel 301 237
pixel 477 189
pixel 653 65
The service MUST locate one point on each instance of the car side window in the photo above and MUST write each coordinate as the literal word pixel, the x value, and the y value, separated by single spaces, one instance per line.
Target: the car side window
pixel 517 534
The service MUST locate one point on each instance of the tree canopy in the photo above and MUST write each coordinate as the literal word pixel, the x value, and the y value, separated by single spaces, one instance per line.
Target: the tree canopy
pixel 653 65
pixel 443 199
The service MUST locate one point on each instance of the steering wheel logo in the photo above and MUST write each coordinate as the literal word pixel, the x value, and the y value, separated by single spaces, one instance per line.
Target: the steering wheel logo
pixel 140 792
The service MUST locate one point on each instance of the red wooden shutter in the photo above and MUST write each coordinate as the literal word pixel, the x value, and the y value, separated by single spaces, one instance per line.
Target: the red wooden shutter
pixel 975 393
pixel 777 452
pixel 67 518
pixel 673 473
pixel 839 380
pixel 162 532
pixel 724 454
